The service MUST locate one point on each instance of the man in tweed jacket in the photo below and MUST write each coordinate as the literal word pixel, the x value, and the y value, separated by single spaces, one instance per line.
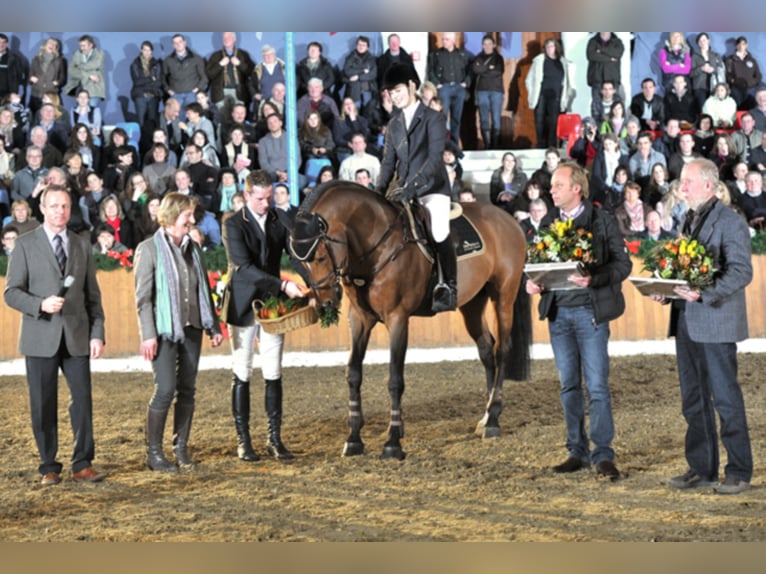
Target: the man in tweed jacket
pixel 707 323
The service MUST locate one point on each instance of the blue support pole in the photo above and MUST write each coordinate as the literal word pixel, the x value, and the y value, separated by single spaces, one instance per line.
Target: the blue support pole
pixel 291 121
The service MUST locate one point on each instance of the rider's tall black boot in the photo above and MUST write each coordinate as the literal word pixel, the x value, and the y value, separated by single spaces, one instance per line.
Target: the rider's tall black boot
pixel 445 292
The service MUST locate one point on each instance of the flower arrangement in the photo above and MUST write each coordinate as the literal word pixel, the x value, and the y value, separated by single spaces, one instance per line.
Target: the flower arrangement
pixel 561 242
pixel 217 282
pixel 125 258
pixel 113 260
pixel 682 259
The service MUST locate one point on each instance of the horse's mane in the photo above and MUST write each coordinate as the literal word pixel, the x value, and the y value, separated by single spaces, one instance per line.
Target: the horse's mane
pixel 317 192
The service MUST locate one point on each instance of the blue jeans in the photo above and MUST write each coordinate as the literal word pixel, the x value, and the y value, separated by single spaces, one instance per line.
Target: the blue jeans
pixel 490 107
pixel 580 348
pixel 453 98
pixel 364 98
pixel 147 112
pixel 185 98
pixel 707 373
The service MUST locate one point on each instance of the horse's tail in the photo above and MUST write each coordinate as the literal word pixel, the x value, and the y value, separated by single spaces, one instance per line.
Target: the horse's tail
pixel 517 365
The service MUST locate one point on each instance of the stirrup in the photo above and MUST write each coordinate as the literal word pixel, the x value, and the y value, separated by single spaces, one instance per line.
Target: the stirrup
pixel 444 298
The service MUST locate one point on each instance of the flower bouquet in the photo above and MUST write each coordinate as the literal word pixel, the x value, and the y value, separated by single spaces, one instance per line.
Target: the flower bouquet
pixel 680 261
pixel 558 251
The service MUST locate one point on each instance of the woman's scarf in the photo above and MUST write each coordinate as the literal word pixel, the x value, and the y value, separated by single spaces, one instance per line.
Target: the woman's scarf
pixel 168 314
pixel 636 214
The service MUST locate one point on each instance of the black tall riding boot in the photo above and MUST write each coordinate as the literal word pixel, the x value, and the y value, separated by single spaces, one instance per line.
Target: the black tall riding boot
pixel 273 403
pixel 445 292
pixel 155 429
pixel 182 419
pixel 240 408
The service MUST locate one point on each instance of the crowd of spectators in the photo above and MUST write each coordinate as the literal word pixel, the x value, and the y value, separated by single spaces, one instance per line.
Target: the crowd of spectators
pixel 206 122
pixel 203 123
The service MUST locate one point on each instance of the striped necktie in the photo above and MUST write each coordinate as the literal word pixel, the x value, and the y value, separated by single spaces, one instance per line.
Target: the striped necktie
pixel 59 250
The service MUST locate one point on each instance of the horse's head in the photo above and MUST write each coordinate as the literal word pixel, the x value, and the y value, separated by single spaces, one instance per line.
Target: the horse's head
pixel 324 257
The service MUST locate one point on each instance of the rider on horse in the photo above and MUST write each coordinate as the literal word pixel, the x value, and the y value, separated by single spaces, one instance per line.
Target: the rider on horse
pixel 414 144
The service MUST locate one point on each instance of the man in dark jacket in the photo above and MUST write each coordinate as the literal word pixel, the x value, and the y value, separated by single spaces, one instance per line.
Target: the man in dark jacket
pixel 255 237
pixel 229 70
pixel 449 68
pixel 394 55
pixel 11 70
pixel 413 152
pixel 648 107
pixel 604 52
pixel 578 323
pixel 360 74
pixel 315 65
pixel 184 73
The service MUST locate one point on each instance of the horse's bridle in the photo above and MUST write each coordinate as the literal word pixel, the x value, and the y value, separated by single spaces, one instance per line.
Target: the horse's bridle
pixel 339 270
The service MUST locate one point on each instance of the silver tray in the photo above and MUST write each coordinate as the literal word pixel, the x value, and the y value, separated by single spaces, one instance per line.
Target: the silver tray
pixel 649 286
pixel 553 276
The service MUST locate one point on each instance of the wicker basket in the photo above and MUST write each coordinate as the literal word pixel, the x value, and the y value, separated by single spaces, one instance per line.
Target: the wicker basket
pixel 297 319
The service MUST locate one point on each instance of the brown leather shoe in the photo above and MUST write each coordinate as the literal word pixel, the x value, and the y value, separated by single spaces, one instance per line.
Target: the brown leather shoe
pixel 88 474
pixel 50 479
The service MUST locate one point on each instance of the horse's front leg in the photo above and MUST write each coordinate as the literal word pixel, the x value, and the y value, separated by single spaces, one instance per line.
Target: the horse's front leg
pixel 398 330
pixel 361 327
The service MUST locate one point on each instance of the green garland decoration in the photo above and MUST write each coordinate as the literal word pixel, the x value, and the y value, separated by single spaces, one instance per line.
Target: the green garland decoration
pixel 215 259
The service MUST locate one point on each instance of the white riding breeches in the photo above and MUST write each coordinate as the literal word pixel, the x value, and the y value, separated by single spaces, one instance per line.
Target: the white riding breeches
pixel 438 207
pixel 269 349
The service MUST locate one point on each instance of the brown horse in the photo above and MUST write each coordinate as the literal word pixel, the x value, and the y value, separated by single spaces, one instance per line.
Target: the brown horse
pixel 346 235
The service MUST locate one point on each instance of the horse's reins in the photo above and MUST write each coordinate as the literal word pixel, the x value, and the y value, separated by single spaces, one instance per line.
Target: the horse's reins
pixel 406 238
pixel 338 272
pixel 333 277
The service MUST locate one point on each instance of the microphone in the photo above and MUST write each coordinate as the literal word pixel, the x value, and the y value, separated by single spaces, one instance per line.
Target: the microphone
pixel 68 282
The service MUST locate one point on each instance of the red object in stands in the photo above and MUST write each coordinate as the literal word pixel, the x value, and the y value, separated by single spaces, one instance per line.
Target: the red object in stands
pixel 568 128
pixel 737 123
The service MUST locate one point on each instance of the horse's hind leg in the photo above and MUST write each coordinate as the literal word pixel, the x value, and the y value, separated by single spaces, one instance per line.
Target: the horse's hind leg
pixel 398 332
pixel 361 327
pixel 504 315
pixel 477 327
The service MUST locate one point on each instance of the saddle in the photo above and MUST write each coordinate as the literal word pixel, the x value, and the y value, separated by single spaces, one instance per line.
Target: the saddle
pixel 466 238
pixel 464 235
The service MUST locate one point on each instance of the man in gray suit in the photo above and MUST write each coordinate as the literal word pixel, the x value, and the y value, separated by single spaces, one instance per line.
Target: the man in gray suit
pixel 707 323
pixel 61 328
